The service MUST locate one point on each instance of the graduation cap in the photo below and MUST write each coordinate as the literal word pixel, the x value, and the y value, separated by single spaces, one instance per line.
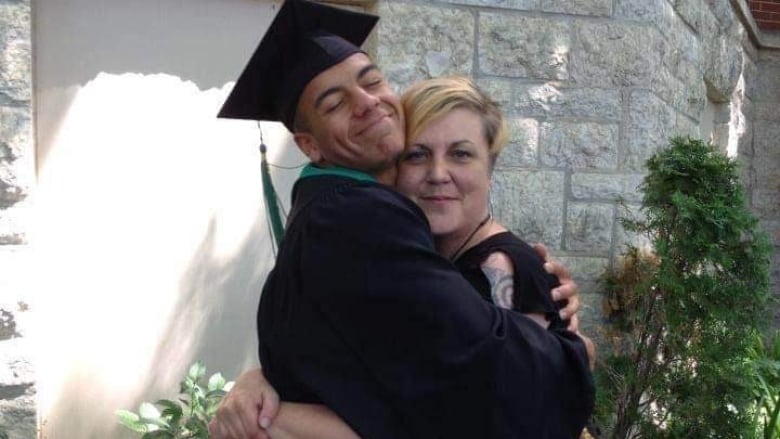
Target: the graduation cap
pixel 305 39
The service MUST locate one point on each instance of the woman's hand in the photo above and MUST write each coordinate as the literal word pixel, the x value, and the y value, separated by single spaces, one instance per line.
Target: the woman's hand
pixel 247 410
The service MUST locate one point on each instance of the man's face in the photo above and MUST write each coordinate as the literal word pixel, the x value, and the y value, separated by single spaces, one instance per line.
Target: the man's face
pixel 352 117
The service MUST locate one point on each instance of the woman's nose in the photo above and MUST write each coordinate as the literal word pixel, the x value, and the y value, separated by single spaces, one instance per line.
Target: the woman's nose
pixel 438 172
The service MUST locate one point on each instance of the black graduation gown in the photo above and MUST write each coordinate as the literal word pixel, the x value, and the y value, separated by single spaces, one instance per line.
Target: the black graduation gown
pixel 360 313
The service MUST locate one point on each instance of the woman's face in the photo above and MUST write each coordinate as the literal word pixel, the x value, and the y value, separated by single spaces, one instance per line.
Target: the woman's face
pixel 446 171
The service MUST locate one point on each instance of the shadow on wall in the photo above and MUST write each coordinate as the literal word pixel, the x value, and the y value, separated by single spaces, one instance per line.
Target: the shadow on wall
pixel 212 320
pixel 155 248
pixel 150 226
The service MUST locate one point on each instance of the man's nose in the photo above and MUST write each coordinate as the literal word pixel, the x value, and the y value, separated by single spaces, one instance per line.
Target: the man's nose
pixel 364 102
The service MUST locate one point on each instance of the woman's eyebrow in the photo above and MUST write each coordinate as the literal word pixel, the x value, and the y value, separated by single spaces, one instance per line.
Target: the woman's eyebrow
pixel 466 142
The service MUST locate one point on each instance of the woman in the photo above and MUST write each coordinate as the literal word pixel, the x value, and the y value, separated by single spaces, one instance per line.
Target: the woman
pixel 456 133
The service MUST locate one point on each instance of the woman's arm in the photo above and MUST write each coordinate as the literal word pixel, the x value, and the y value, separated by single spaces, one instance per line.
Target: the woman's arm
pixel 500 274
pixel 251 410
pixel 248 407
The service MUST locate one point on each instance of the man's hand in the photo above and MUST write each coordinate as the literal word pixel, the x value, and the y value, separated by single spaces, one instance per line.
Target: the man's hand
pixel 590 347
pixel 247 410
pixel 567 290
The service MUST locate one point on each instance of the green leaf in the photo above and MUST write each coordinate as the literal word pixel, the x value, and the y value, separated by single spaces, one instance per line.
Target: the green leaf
pixel 228 386
pixel 166 403
pixel 130 420
pixel 126 415
pixel 148 410
pixel 171 409
pixel 197 425
pixel 216 382
pixel 156 423
pixel 159 434
pixel 187 385
pixel 151 416
pixel 197 371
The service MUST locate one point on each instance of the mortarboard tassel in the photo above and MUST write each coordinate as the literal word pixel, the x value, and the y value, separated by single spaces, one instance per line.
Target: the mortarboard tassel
pixel 271 199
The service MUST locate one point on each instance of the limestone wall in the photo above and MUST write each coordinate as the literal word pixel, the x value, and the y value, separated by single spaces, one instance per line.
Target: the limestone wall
pixel 766 153
pixel 150 226
pixel 591 88
pixel 17 390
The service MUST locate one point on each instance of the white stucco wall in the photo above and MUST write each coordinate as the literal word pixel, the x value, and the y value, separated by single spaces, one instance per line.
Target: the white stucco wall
pixel 150 239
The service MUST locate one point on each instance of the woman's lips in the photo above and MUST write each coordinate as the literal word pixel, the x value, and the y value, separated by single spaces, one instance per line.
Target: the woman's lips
pixel 437 200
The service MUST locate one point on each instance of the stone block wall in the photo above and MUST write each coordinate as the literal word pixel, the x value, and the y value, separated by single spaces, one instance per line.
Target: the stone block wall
pixel 765 193
pixel 17 174
pixel 591 89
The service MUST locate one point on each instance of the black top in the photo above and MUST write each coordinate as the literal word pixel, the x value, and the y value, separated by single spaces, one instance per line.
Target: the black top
pixel 361 314
pixel 532 284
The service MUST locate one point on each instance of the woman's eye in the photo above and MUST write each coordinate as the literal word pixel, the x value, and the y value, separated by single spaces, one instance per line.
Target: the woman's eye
pixel 415 155
pixel 461 154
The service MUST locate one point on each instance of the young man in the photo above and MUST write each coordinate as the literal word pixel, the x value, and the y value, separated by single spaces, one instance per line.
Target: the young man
pixel 360 313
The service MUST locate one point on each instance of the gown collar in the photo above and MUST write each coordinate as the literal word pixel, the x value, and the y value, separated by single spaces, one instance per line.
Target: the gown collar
pixel 313 171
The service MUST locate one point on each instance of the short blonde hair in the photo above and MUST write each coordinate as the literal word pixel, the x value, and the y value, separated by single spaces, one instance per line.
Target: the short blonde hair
pixel 430 99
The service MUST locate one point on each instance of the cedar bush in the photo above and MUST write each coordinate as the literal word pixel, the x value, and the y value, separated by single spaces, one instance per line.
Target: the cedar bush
pixel 686 317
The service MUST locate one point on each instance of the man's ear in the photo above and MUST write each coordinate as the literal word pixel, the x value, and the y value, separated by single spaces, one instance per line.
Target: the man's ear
pixel 308 144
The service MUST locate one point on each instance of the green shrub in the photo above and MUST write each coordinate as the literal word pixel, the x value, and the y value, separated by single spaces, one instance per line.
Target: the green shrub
pixel 765 359
pixel 684 315
pixel 188 417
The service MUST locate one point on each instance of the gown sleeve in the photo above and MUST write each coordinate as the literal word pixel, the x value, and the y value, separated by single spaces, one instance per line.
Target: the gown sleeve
pixel 425 336
pixel 532 284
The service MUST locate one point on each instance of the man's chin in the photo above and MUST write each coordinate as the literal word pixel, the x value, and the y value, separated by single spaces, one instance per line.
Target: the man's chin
pixel 393 144
pixel 389 145
pixel 386 160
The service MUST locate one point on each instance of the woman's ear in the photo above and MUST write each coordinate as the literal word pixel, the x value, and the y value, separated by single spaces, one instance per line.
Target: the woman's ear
pixel 308 144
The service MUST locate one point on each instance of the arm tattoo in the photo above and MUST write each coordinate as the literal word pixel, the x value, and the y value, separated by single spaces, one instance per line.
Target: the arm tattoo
pixel 501 285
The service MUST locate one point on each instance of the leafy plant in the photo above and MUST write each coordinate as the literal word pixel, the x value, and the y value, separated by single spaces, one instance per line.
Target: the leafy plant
pixel 765 359
pixel 188 417
pixel 683 314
